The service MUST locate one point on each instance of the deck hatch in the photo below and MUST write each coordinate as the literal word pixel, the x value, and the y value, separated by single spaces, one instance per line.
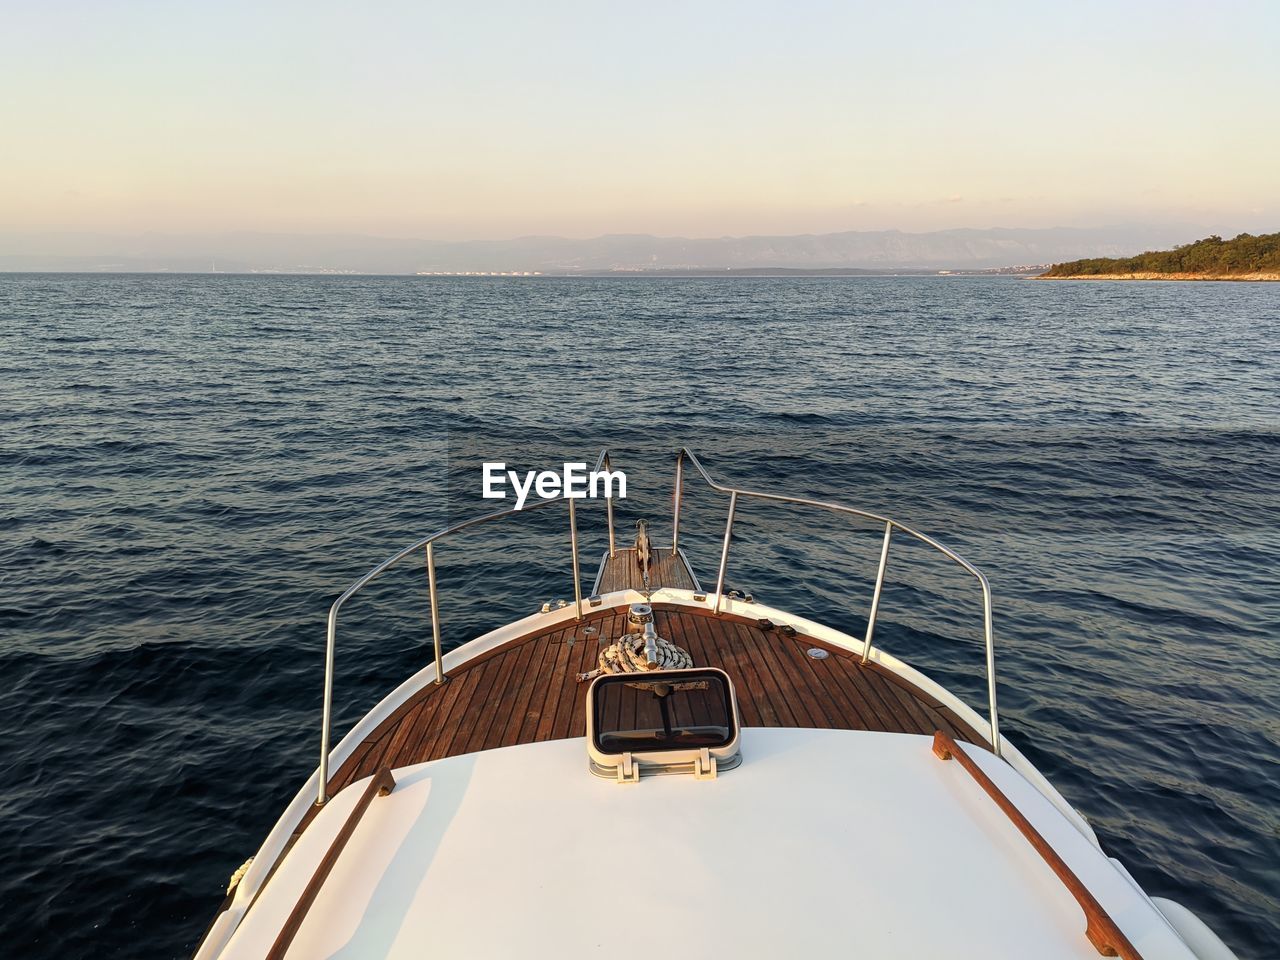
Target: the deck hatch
pixel 664 721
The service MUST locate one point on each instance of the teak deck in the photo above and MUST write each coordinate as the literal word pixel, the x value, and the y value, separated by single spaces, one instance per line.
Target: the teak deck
pixel 527 690
pixel 622 571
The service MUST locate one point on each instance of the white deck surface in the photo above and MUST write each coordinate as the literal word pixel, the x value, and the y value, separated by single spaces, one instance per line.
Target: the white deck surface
pixel 823 843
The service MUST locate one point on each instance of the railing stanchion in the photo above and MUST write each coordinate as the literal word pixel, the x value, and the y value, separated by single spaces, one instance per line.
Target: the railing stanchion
pixel 875 597
pixel 573 543
pixel 724 551
pixel 989 637
pixel 435 611
pixel 675 513
pixel 608 506
pixel 331 641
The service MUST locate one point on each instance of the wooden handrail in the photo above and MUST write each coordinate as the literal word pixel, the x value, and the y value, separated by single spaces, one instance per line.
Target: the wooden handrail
pixel 381 785
pixel 1101 930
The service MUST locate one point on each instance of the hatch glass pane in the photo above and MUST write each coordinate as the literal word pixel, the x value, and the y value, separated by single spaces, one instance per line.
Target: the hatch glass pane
pixel 663 711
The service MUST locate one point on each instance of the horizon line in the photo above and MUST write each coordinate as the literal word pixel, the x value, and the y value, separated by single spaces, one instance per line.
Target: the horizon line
pixel 241 231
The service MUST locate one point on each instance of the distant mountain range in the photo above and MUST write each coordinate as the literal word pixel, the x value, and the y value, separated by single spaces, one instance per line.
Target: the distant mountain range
pixel 880 250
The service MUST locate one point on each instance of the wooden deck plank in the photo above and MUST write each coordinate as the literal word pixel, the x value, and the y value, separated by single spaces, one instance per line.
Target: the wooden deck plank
pixel 567 689
pixel 890 711
pixel 907 716
pixel 440 702
pixel 826 702
pixel 753 698
pixel 870 710
pixel 749 657
pixel 609 628
pixel 405 729
pixel 522 684
pixel 527 691
pixel 940 713
pixel 622 571
pixel 842 664
pixel 911 704
pixel 539 694
pixel 497 700
pixel 803 701
pixel 573 695
pixel 614 715
pixel 827 675
pixel 557 667
pixel 435 737
pixel 373 759
pixel 766 685
pixel 458 732
pixel 345 773
pixel 879 709
pixel 772 678
pixel 937 712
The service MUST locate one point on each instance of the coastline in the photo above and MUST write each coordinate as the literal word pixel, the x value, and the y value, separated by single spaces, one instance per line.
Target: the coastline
pixel 1166 276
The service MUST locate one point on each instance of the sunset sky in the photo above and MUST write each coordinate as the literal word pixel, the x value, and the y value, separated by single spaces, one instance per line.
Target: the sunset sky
pixel 467 120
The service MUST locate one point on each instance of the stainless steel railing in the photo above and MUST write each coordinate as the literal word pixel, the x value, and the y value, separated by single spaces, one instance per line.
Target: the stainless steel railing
pixel 427 545
pixel 890 527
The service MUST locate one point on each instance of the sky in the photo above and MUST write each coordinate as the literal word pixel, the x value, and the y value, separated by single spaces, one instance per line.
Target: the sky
pixel 452 120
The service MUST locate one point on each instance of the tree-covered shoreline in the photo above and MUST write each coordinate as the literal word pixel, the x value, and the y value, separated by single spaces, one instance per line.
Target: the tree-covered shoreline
pixel 1247 255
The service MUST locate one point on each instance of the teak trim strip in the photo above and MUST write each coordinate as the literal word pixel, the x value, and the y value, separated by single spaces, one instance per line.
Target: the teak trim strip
pixel 1101 930
pixel 381 785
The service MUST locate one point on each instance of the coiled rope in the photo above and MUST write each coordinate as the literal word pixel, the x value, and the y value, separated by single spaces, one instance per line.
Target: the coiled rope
pixel 626 655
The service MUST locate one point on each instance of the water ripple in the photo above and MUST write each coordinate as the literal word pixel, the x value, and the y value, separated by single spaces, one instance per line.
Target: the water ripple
pixel 196 466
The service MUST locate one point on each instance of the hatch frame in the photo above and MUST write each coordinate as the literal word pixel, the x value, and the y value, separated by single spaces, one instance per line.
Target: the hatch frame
pixel 704 761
